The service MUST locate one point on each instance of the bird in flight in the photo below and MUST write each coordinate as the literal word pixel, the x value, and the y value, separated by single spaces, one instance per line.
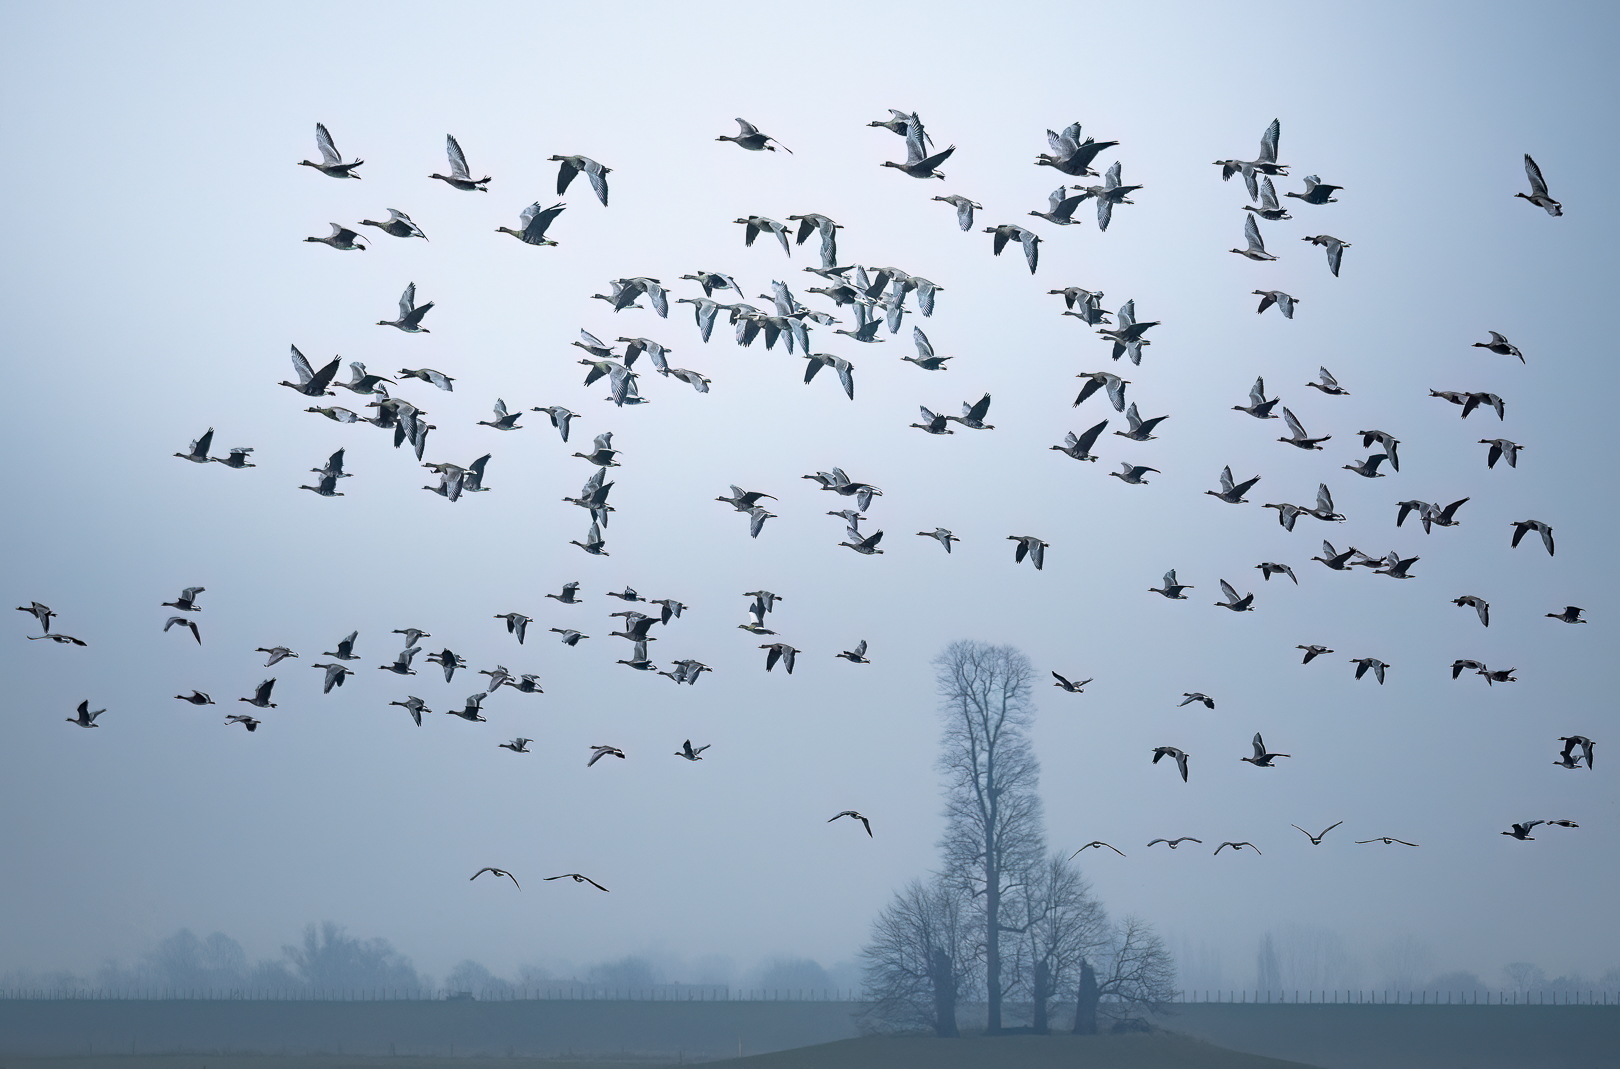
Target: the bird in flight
pixel 599 752
pixel 184 623
pixel 1387 840
pixel 86 718
pixel 1237 846
pixel 1173 843
pixel 577 878
pixel 1180 757
pixel 497 873
pixel 1261 758
pixel 1538 189
pixel 690 752
pixel 857 816
pixel 1098 843
pixel 1072 688
pixel 1316 840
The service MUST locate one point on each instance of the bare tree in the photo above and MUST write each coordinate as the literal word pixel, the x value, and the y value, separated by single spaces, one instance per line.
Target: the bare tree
pixel 1062 926
pixel 1137 977
pixel 920 960
pixel 994 834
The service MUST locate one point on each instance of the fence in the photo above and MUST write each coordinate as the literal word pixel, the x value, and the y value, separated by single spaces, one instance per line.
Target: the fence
pixel 1344 997
pixel 577 992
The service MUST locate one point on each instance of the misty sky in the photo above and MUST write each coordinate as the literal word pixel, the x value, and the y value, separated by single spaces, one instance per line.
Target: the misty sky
pixel 156 275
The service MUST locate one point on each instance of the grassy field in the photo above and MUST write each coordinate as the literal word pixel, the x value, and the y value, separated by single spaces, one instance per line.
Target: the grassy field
pixel 1159 1051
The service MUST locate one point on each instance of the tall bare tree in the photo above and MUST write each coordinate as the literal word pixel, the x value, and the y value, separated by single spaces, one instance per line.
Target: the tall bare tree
pixel 1063 925
pixel 921 959
pixel 995 834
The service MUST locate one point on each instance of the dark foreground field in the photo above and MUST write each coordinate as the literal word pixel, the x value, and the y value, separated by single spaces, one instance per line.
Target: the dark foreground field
pixel 782 1035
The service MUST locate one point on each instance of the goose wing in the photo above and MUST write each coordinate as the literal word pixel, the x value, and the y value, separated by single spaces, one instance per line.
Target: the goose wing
pixel 458 159
pixel 330 154
pixel 1538 185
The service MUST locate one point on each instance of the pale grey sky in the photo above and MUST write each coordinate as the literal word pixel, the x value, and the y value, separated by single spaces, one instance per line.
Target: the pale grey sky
pixel 156 276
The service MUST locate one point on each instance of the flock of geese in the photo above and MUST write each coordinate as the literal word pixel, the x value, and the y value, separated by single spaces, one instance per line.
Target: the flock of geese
pixel 876 297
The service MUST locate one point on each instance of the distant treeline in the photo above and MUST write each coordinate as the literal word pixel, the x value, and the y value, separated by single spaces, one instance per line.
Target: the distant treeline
pixel 328 962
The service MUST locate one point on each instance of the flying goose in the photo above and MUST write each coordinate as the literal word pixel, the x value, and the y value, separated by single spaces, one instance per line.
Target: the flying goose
pixel 1538 189
pixel 261 695
pixel 940 534
pixel 1285 302
pixel 1239 846
pixel 1297 435
pixel 576 877
pixel 1312 651
pixel 764 599
pixel 196 697
pixel 1265 164
pixel 1127 333
pixel 327 487
pixel 341 238
pixel 972 416
pixel 1478 604
pixel 1572 741
pixel 332 164
pixel 1324 505
pixel 1141 430
pixel 1522 831
pixel 569 636
pixel 335 674
pixel 1261 758
pixel 1335 250
pixel 1060 207
pixel 1180 757
pixel 749 137
pixel 1103 380
pixel 1316 840
pixel 1269 569
pixel 1188 697
pixel 1269 210
pixel 277 653
pixel 1499 675
pixel 752 225
pixel 517 745
pixel 1071 155
pixel 573 165
pixel 1098 843
pixel 813 223
pixel 1316 191
pixel 86 718
pixel 925 357
pixel 1500 346
pixel 964 209
pixel 934 422
pixel 779 651
pixel 690 752
pixel 1132 473
pixel 1328 384
pixel 851 813
pixel 1387 840
pixel 412 634
pixel 470 710
pixel 410 314
pixel 527 683
pixel 1030 546
pixel 1110 193
pixel 1233 602
pixel 1466 664
pixel 856 655
pixel 504 420
pixel 311 383
pixel 1570 615
pixel 593 543
pixel 244 719
pixel 1364 663
pixel 1501 447
pixel 1286 514
pixel 919 163
pixel 845 370
pixel 1171 588
pixel 199 448
pixel 415 706
pixel 497 873
pixel 1257 246
pixel 1230 492
pixel 1367 469
pixel 1258 406
pixel 533 222
pixel 756 520
pixel 1520 527
pixel 1339 562
pixel 187 601
pixel 1173 843
pixel 428 375
pixel 1079 446
pixel 1069 687
pixel 184 623
pixel 900 122
pixel 42 613
pixel 459 177
pixel 448 660
pixel 399 225
pixel 1395 566
pixel 599 752
pixel 402 662
pixel 1028 238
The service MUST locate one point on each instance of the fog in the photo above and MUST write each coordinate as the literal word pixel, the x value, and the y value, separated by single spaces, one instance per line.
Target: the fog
pixel 156 276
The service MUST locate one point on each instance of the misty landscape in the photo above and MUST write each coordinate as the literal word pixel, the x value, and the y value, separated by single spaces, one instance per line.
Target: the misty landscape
pixel 821 726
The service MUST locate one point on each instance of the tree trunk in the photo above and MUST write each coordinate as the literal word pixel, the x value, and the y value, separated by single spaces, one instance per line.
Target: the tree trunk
pixel 944 982
pixel 1085 1006
pixel 1041 993
pixel 992 946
